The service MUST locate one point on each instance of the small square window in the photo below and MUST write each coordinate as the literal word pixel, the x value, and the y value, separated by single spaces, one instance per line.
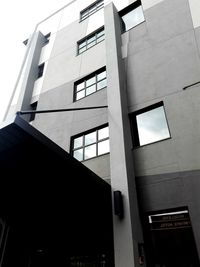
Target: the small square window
pixel 149 125
pixel 91 40
pixel 91 144
pixel 90 84
pixel 131 16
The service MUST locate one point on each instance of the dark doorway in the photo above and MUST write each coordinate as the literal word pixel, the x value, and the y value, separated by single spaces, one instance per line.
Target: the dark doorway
pixel 171 240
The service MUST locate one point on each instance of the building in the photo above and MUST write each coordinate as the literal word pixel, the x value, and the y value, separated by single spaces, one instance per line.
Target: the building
pixel 137 65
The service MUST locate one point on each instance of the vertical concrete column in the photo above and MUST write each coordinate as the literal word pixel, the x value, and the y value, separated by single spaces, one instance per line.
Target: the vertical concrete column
pixel 127 232
pixel 30 73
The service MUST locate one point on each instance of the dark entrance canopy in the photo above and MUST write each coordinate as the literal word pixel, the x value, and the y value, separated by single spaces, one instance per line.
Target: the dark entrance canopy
pixel 54 211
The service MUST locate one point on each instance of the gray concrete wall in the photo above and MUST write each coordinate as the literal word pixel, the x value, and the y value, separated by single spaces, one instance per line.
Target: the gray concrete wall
pixel 59 127
pixel 64 64
pixel 162 57
pixel 63 69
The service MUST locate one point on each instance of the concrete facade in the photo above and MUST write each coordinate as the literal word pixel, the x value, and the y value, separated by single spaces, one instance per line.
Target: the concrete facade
pixel 157 60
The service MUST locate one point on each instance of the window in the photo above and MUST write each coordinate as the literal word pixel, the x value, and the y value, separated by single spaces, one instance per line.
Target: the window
pixel 40 70
pixel 33 107
pixel 149 125
pixel 131 16
pixel 91 40
pixel 47 38
pixel 90 84
pixel 91 9
pixel 91 144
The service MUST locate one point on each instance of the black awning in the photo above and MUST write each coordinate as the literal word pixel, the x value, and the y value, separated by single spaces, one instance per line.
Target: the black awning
pixel 48 199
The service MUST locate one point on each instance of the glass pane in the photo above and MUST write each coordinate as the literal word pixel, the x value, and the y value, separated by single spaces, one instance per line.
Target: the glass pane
pixel 152 126
pixel 100 33
pixel 91 89
pixel 100 3
pixel 103 147
pixel 133 18
pixel 80 95
pixel 90 138
pixel 103 133
pixel 91 44
pixel 90 81
pixel 101 38
pixel 84 14
pixel 90 151
pixel 92 8
pixel 81 50
pixel 91 39
pixel 78 154
pixel 78 142
pixel 80 86
pixel 101 84
pixel 82 44
pixel 101 76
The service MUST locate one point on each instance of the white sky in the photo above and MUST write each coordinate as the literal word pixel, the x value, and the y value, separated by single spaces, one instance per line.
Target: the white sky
pixel 17 22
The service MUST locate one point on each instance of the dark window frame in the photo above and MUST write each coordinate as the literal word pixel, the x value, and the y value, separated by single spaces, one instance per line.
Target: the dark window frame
pixel 91 35
pixel 97 5
pixel 47 38
pixel 40 70
pixel 85 79
pixel 83 134
pixel 33 107
pixel 134 125
pixel 127 10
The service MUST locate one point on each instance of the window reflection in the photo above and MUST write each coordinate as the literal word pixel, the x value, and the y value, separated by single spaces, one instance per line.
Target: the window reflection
pixel 103 147
pixel 90 151
pixel 78 154
pixel 90 138
pixel 90 84
pixel 92 144
pixel 151 126
pixel 103 133
pixel 132 16
pixel 78 142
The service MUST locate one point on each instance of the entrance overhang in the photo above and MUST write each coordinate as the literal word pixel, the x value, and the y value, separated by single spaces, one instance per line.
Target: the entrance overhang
pixel 49 200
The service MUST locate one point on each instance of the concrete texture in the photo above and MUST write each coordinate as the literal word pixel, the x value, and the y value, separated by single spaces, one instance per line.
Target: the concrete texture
pixel 152 62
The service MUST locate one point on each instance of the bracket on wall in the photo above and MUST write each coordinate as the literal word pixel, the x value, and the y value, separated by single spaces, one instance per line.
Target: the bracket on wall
pixel 118 204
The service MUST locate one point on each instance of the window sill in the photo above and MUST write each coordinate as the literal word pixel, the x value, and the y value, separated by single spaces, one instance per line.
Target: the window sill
pixel 137 147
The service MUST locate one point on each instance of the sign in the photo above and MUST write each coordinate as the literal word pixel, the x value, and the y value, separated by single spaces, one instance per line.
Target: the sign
pixel 170 221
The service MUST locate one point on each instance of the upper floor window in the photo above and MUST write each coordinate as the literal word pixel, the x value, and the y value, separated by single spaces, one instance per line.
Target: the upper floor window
pixel 90 84
pixel 149 125
pixel 91 40
pixel 40 70
pixel 47 38
pixel 91 9
pixel 33 107
pixel 91 144
pixel 131 16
